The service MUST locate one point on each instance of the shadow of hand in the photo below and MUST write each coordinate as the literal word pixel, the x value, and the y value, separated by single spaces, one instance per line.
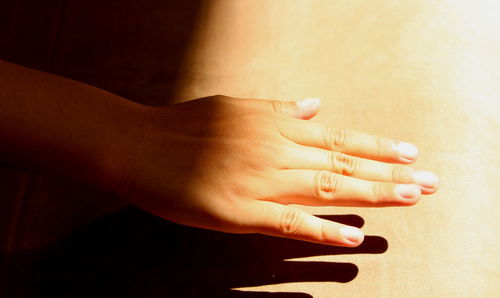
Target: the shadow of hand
pixel 134 254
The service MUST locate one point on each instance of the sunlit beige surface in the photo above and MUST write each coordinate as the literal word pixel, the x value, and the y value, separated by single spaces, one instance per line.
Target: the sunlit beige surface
pixel 427 72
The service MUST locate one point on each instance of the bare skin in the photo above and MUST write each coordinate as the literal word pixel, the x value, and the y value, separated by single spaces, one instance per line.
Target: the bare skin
pixel 221 163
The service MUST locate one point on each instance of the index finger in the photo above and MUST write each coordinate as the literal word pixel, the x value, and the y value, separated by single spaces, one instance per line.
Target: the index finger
pixel 350 142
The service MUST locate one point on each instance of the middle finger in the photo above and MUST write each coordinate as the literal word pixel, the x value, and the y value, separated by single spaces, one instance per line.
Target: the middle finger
pixel 303 157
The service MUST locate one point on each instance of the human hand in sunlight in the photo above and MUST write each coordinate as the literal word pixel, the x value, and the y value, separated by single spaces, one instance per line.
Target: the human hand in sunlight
pixel 238 165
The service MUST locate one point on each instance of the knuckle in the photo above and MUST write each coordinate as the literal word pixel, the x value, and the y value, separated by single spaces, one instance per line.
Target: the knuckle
pixel 377 195
pixel 401 174
pixel 221 97
pixel 343 164
pixel 334 137
pixel 325 184
pixel 275 105
pixel 291 221
pixel 384 147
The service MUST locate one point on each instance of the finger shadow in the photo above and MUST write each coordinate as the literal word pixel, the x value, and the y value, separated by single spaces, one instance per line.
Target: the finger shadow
pixel 131 253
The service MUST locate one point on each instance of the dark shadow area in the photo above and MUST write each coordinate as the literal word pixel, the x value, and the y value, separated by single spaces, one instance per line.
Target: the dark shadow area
pixel 132 48
pixel 134 254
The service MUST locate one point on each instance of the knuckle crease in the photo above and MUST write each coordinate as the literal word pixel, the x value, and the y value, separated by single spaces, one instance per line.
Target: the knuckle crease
pixel 343 164
pixel 325 184
pixel 291 220
pixel 334 137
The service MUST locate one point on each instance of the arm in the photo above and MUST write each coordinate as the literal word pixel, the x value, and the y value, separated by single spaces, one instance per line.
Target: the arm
pixel 221 163
pixel 52 124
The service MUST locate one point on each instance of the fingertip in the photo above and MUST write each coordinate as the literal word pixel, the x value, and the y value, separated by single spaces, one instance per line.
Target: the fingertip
pixel 307 108
pixel 428 181
pixel 407 194
pixel 352 236
pixel 308 103
pixel 408 153
pixel 427 191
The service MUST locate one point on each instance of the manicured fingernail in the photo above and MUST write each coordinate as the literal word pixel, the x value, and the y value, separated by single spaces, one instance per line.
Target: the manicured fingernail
pixel 407 151
pixel 308 103
pixel 426 179
pixel 407 191
pixel 353 235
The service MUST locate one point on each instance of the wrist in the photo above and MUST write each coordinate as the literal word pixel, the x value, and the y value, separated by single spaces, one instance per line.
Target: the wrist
pixel 146 153
pixel 118 140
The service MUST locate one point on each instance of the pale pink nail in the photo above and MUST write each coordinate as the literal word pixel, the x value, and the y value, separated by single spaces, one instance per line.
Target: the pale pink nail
pixel 407 191
pixel 426 179
pixel 308 103
pixel 407 151
pixel 353 235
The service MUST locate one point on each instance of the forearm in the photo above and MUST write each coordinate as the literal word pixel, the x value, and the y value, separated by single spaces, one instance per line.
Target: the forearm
pixel 52 124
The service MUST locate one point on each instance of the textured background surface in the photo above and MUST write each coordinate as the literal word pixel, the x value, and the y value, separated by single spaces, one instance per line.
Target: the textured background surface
pixel 422 71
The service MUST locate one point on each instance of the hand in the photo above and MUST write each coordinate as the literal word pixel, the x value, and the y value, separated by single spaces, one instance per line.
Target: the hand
pixel 236 165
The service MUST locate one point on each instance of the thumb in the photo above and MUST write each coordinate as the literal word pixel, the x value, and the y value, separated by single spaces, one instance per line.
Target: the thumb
pixel 307 108
pixel 302 109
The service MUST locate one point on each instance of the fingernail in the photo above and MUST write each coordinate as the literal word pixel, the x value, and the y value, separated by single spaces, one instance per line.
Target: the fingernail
pixel 407 151
pixel 353 235
pixel 308 103
pixel 407 191
pixel 426 179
